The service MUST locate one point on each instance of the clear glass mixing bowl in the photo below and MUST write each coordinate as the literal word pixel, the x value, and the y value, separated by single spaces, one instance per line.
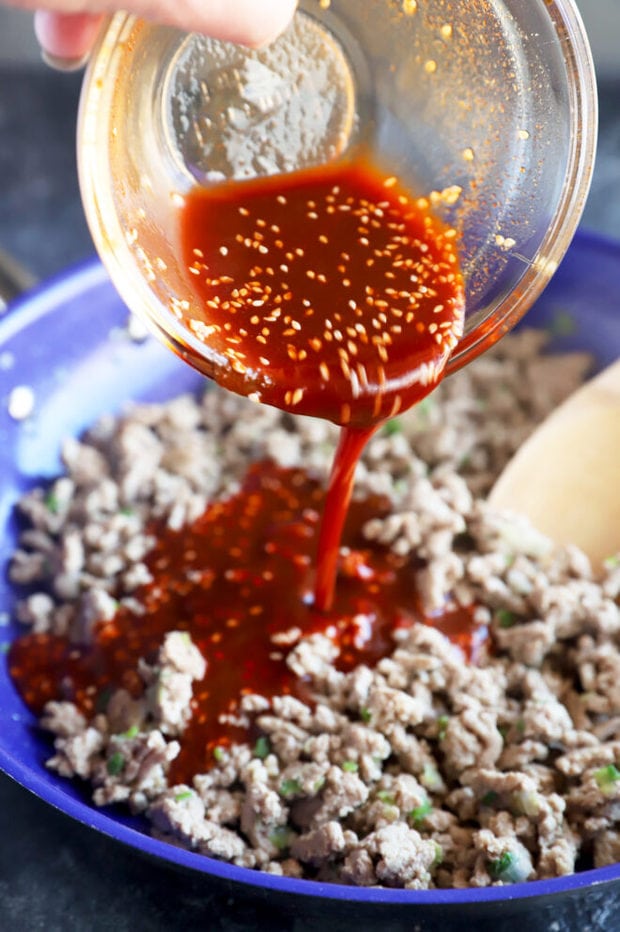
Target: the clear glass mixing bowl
pixel 488 107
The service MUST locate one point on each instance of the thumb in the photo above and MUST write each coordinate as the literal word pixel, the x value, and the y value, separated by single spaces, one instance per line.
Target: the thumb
pixel 67 38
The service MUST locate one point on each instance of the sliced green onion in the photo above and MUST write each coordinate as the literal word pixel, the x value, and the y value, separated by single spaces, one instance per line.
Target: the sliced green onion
pixel 290 787
pixel 392 427
pixel 131 732
pixel 51 503
pixel 438 855
pixel 430 777
pixel 607 777
pixel 281 837
pixel 419 814
pixel 262 748
pixel 511 867
pixel 505 618
pixel 350 766
pixel 115 764
pixel 442 722
pixel 499 868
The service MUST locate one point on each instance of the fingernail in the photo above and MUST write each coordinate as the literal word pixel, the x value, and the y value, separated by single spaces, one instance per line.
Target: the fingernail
pixel 58 63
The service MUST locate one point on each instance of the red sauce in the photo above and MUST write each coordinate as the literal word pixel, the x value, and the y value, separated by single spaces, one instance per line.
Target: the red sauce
pixel 242 573
pixel 329 292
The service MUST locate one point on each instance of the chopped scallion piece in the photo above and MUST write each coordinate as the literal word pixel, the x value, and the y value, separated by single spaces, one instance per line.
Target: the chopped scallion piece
pixel 131 732
pixel 290 787
pixel 499 868
pixel 438 855
pixel 350 766
pixel 51 503
pixel 392 427
pixel 115 764
pixel 511 867
pixel 262 747
pixel 419 814
pixel 607 777
pixel 430 777
pixel 442 723
pixel 218 753
pixel 281 837
pixel 186 794
pixel 505 618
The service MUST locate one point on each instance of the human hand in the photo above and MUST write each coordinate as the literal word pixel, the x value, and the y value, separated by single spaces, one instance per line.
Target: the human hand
pixel 66 29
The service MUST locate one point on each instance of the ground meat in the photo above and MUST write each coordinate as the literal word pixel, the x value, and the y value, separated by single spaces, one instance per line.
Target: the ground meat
pixel 400 856
pixel 471 740
pixel 422 771
pixel 170 682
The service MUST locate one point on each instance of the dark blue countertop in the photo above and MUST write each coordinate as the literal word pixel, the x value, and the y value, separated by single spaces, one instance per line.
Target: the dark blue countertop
pixel 54 873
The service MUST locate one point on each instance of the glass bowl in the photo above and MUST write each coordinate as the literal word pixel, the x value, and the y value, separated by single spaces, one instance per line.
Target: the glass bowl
pixel 487 107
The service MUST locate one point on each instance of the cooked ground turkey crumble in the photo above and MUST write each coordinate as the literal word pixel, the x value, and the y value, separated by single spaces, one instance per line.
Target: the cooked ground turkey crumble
pixel 423 772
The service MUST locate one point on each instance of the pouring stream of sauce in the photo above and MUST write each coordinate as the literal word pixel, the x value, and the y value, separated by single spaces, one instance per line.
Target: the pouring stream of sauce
pixel 329 292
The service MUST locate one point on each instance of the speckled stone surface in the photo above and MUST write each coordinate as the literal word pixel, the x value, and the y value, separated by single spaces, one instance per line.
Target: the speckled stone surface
pixel 54 873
